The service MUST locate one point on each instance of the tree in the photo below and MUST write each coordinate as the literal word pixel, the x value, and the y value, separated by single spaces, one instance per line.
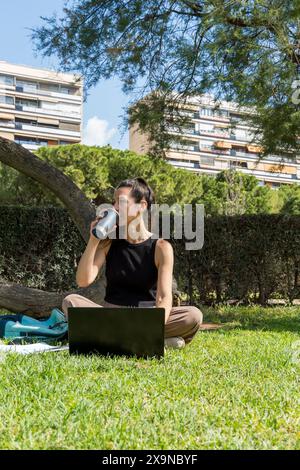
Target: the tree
pixel 89 169
pixel 234 193
pixel 31 301
pixel 97 170
pixel 169 50
pixel 290 199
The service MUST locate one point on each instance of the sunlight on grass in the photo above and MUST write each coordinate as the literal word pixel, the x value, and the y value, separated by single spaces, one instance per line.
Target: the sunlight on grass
pixel 234 388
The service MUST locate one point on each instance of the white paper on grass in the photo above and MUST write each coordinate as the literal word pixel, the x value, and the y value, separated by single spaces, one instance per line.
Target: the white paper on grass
pixel 30 348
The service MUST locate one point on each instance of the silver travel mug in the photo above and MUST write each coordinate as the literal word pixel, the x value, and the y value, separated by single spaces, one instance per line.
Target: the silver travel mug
pixel 106 224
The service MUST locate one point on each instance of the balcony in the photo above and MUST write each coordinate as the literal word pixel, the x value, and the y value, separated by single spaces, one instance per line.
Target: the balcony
pixel 187 148
pixel 268 174
pixel 238 165
pixel 254 148
pixel 5 86
pixel 51 112
pixel 237 153
pixel 184 164
pixel 256 156
pixel 29 146
pixel 47 130
pixel 204 132
pixel 54 94
pixel 213 117
pixel 214 132
pixel 208 149
pixel 214 151
pixel 8 124
pixel 189 130
pixel 222 145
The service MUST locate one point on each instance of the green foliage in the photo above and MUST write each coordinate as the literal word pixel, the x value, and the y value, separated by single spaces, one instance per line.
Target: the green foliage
pixel 250 258
pixel 290 196
pixel 234 193
pixel 244 51
pixel 97 171
pixel 39 247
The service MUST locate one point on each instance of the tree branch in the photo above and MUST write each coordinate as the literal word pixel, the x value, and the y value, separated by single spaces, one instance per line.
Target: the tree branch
pixel 18 298
pixel 80 208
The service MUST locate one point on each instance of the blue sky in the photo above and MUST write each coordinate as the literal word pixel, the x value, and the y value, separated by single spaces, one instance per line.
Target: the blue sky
pixel 104 106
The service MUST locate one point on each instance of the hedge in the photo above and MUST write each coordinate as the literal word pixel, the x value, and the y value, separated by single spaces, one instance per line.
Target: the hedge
pixel 247 258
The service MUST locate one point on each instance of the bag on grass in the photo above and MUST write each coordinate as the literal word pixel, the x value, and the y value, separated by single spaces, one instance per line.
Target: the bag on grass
pixel 20 328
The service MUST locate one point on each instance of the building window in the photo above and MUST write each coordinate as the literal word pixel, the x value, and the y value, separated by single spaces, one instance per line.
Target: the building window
pixel 214 112
pixel 206 127
pixel 67 90
pixel 209 161
pixel 6 123
pixel 51 87
pixel 20 139
pixel 237 164
pixel 29 103
pixel 206 112
pixel 222 164
pixel 206 146
pixel 26 85
pixel 6 99
pixel 183 145
pixel 223 113
pixel 50 105
pixel 7 80
pixel 28 122
pixel 69 108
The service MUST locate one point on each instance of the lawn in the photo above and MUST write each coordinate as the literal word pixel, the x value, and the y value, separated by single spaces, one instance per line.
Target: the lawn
pixel 235 388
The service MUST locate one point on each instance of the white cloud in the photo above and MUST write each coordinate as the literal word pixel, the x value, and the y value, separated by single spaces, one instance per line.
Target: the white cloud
pixel 97 132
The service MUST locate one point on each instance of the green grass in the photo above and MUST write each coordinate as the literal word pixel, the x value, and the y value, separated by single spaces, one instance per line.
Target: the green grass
pixel 236 388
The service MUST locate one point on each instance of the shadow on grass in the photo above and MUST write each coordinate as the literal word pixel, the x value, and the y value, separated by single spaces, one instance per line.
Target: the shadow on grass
pixel 254 317
pixel 247 317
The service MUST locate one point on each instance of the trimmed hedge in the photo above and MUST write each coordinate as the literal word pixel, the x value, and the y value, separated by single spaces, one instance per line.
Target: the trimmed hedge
pixel 248 258
pixel 39 247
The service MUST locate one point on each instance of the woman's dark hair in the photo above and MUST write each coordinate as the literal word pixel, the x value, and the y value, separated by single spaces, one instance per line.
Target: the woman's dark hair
pixel 140 189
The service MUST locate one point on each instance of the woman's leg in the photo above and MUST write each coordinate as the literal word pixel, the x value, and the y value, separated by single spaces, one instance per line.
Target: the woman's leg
pixel 76 300
pixel 183 321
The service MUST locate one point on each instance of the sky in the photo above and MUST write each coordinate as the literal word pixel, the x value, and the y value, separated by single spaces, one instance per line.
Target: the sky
pixel 103 109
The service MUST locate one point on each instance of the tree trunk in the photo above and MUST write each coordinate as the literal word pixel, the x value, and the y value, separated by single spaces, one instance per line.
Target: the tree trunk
pixel 38 303
pixel 35 302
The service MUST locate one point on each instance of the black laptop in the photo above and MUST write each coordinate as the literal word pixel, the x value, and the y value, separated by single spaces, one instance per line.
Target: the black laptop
pixel 125 331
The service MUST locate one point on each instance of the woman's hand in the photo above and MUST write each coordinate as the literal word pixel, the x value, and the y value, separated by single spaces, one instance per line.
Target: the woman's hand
pixel 93 225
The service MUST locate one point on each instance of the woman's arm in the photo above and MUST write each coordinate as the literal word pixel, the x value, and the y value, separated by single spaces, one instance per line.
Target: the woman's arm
pixel 87 271
pixel 92 259
pixel 165 259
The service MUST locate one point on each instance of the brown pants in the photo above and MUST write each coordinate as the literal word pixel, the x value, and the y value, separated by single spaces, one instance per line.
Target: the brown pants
pixel 183 320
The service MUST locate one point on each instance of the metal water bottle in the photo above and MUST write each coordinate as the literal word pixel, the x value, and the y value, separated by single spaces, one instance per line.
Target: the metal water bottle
pixel 106 224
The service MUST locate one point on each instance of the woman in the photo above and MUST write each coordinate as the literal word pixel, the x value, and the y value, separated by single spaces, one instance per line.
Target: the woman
pixel 139 270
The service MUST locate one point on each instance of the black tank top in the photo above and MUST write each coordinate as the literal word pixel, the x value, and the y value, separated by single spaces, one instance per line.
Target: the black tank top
pixel 131 273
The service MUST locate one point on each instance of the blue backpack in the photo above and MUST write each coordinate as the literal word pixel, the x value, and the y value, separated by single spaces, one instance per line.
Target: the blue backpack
pixel 19 328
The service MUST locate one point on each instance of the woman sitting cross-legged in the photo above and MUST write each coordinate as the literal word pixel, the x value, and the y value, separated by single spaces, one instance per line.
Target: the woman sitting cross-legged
pixel 138 271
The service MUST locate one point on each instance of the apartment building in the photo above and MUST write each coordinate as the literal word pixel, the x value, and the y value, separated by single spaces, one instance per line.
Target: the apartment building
pixel 40 107
pixel 217 139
